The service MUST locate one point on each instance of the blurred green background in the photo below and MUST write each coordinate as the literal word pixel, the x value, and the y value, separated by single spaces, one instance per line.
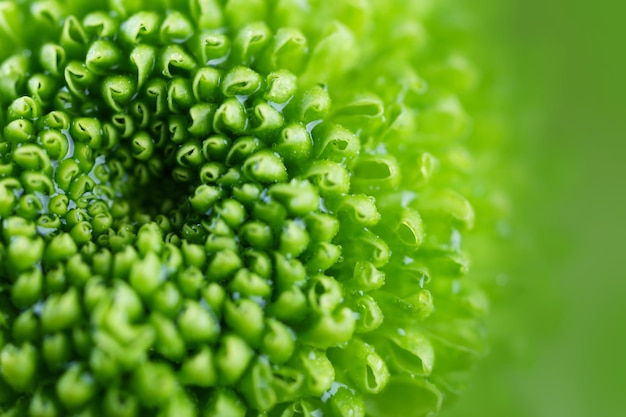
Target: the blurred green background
pixel 564 352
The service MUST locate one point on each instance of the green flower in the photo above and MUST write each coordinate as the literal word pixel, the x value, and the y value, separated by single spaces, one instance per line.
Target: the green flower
pixel 236 208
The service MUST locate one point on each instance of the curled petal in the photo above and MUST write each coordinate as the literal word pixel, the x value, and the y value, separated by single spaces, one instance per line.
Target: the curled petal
pixel 168 341
pixel 141 27
pixel 42 87
pixel 102 57
pixel 29 206
pixel 201 116
pixel 140 112
pixel 73 39
pixel 230 117
pixel 23 252
pixel 210 48
pixel 52 58
pixel 331 329
pixel 225 402
pixel 176 28
pixel 232 358
pixel 179 95
pixel 288 50
pixel 232 212
pixel 257 234
pixel 324 294
pixel 250 42
pixel 313 105
pixel 366 245
pixel 289 272
pixel 83 155
pixel 240 81
pixel 281 87
pixel 287 382
pixel 175 60
pixel 206 83
pixel 247 193
pixel 66 102
pixel 293 239
pixel 25 327
pixel 265 120
pixel 331 178
pixel 7 195
pixel 317 368
pixel 322 227
pixel 290 306
pixel 300 408
pixel 80 186
pixel 370 315
pixel 13 73
pixel 223 265
pixel 143 59
pixel 198 326
pixel 11 20
pixel 204 198
pixel 405 396
pixel 58 205
pixel 447 204
pixel 79 79
pixel 299 197
pixel 265 167
pixel 87 130
pixel 156 94
pixel 37 182
pixel 199 369
pixel 207 13
pixel 334 55
pixel 249 284
pixel 211 172
pixel 147 391
pixel 376 173
pixel 364 366
pixel 405 311
pixel 239 13
pixel 278 344
pixel 358 209
pixel 117 91
pixel 366 111
pixel 101 25
pixel 23 108
pixel 256 387
pixel 335 143
pixel 19 366
pixel 32 157
pixel 294 144
pixel 56 120
pixel 142 146
pixel 409 279
pixel 123 124
pixel 409 229
pixel 61 311
pixel 241 149
pixel 259 263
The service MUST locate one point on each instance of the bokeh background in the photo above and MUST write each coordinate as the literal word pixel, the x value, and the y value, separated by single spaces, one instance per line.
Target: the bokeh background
pixel 559 345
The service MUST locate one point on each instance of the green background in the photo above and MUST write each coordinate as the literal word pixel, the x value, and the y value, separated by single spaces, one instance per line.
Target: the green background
pixel 564 351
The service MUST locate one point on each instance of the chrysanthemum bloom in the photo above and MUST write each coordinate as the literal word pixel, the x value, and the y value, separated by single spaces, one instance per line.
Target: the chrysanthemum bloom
pixel 234 208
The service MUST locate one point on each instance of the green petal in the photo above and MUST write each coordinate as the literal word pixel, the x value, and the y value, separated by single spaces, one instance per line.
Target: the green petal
pixel 19 366
pixel 76 387
pixel 405 397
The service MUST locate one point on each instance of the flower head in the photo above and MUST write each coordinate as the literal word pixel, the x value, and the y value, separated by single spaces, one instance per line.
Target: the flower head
pixel 233 208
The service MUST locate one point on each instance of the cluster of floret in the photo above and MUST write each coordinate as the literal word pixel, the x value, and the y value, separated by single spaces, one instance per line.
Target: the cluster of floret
pixel 194 223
